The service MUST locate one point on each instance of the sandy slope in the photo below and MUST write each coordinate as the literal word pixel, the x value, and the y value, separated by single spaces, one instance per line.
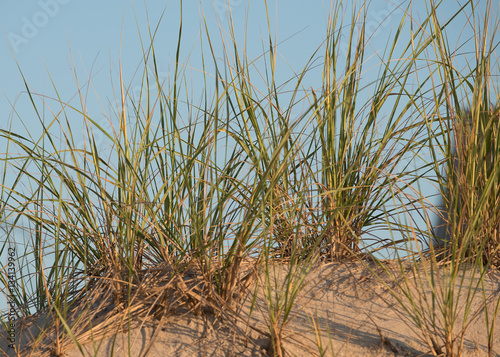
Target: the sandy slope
pixel 353 311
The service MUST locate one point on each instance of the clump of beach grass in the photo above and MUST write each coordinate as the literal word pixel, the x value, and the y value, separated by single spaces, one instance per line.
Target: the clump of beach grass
pixel 464 142
pixel 194 205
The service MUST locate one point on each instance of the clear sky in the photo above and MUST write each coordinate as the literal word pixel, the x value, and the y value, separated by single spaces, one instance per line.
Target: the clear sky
pixel 50 38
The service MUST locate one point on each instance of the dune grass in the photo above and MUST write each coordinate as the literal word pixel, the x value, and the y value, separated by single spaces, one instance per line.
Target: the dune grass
pixel 192 202
pixel 463 124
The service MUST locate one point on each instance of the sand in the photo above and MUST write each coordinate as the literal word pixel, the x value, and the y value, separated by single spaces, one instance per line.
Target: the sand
pixel 342 307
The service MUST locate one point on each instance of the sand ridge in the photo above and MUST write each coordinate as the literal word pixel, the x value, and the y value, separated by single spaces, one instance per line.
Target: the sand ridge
pixel 342 307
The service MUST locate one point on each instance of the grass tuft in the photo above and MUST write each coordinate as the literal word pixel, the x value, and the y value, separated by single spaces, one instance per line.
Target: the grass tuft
pixel 200 208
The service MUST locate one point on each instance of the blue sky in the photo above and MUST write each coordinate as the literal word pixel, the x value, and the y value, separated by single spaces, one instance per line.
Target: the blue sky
pixel 56 40
pixel 61 43
pixel 48 38
pixel 44 34
pixel 51 40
